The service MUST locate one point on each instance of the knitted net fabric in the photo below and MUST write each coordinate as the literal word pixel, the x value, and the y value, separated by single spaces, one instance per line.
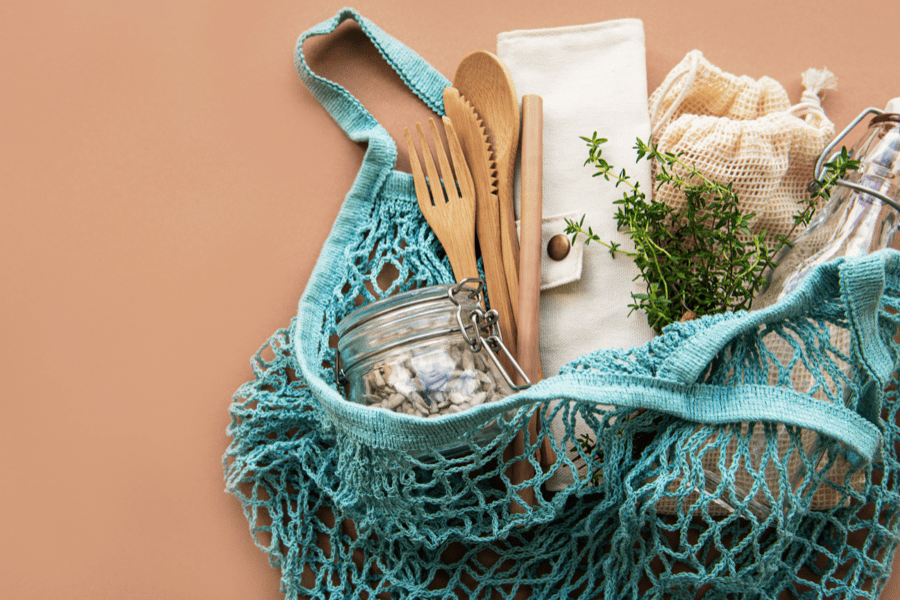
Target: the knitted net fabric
pixel 344 513
pixel 353 502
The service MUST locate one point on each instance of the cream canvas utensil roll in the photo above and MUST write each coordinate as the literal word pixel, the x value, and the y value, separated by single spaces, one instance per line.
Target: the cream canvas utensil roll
pixel 592 78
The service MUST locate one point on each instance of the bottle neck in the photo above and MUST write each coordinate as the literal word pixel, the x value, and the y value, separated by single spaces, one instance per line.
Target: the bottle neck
pixel 851 224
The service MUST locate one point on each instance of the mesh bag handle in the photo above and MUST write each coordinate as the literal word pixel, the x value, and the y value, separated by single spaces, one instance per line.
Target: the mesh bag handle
pixel 675 389
pixel 359 124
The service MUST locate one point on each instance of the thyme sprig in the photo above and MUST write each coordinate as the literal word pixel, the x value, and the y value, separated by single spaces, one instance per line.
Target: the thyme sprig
pixel 700 258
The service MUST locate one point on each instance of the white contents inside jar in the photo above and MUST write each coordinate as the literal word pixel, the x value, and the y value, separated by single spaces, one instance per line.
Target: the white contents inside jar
pixel 442 380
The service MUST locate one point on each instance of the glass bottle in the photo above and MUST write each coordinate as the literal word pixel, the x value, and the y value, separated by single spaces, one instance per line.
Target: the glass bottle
pixel 861 216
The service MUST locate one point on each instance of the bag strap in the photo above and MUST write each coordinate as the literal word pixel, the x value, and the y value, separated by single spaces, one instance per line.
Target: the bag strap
pixel 377 168
pixel 862 285
pixel 359 124
pixel 688 68
pixel 674 388
pixel 861 281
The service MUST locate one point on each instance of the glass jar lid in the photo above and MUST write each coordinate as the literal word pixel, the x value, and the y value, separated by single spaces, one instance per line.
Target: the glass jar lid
pixel 404 319
pixel 419 315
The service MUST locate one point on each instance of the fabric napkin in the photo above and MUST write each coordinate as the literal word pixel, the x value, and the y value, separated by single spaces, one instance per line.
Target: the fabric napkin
pixel 591 78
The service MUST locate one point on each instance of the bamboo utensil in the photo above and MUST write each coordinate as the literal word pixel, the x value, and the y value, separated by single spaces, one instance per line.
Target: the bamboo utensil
pixel 529 289
pixel 485 82
pixel 530 250
pixel 528 325
pixel 451 215
pixel 479 156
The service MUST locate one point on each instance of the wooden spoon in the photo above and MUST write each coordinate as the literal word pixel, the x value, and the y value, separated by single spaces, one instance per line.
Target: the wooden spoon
pixel 485 82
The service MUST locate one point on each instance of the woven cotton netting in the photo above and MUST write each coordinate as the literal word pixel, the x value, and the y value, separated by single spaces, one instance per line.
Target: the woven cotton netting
pixel 745 132
pixel 660 507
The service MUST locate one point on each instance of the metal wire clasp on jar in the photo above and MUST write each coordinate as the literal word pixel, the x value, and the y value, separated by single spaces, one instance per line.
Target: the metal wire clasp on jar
pixel 426 352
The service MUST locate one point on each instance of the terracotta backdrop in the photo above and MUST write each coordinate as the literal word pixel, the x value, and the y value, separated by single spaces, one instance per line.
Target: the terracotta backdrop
pixel 166 183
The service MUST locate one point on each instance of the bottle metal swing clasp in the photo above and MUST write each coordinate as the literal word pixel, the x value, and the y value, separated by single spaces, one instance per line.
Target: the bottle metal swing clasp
pixel 828 154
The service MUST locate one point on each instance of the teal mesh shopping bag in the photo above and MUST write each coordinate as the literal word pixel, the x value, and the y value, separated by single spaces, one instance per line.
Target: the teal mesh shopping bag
pixel 356 502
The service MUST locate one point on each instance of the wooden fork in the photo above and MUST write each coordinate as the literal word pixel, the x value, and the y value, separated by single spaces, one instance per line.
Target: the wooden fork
pixel 450 213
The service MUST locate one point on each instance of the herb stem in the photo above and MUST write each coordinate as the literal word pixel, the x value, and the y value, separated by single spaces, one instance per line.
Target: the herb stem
pixel 701 258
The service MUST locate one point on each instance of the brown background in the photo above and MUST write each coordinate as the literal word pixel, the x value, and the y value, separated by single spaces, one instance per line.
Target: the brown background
pixel 166 183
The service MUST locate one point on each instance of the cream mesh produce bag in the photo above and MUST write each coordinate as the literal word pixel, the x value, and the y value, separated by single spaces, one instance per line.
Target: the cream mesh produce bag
pixel 745 131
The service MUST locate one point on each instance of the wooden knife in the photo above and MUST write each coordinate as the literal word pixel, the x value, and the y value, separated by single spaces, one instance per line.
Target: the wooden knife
pixel 471 132
pixel 477 148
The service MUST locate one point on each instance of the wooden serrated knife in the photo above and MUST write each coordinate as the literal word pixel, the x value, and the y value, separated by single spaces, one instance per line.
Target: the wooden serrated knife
pixel 480 157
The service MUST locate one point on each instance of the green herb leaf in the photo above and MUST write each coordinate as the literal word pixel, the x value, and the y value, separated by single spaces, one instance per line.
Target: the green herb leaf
pixel 700 258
